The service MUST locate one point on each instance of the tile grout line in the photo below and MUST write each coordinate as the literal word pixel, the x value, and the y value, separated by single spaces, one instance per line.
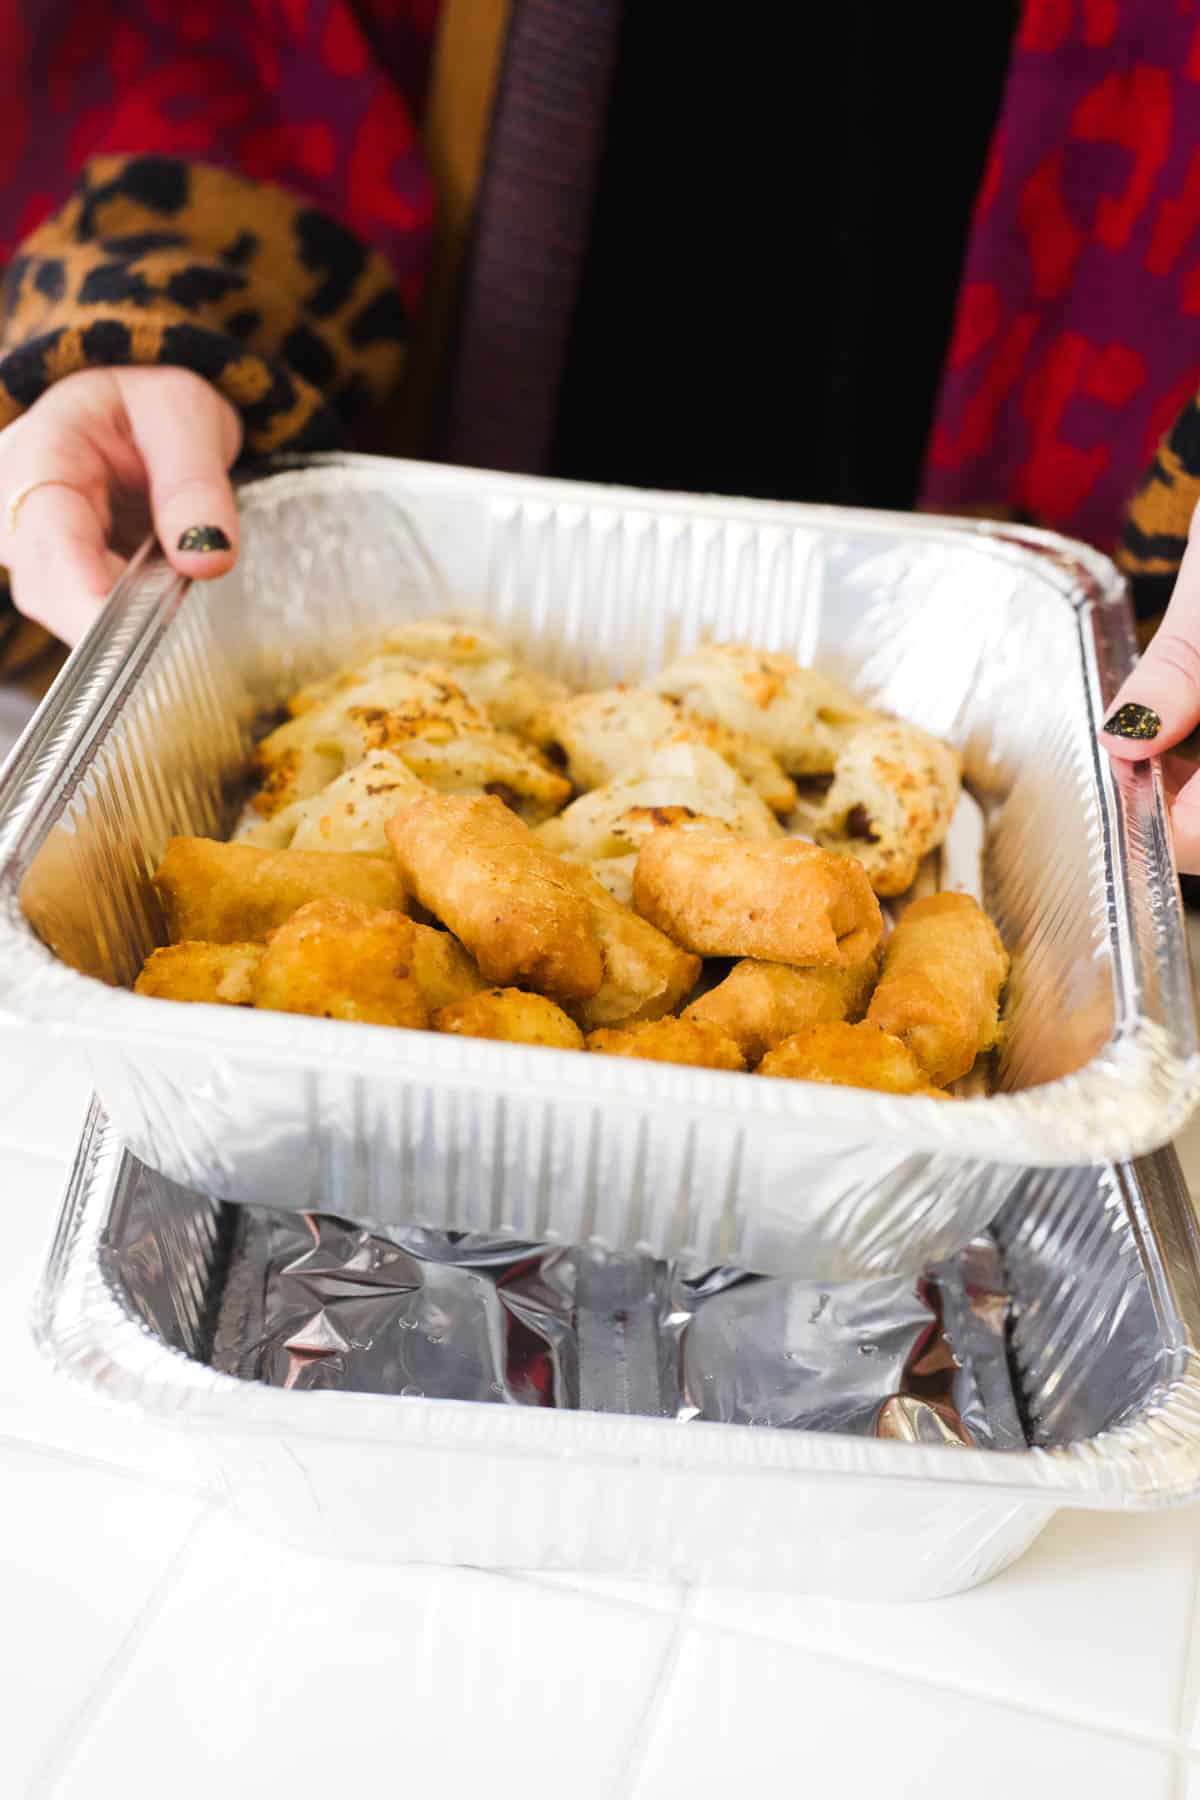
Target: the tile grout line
pixel 99 1465
pixel 540 1578
pixel 536 1578
pixel 644 1731
pixel 1148 1737
pixel 70 1739
pixel 1189 1672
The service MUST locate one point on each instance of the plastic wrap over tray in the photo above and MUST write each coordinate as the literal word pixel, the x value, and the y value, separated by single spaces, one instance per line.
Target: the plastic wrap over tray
pixel 152 1300
pixel 1008 642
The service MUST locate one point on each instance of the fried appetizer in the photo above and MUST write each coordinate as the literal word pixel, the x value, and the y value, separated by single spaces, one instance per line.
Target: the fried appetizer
pixel 515 905
pixel 604 736
pixel 422 717
pixel 849 1056
pixel 891 802
pixel 442 969
pixel 221 974
pixel 512 1016
pixel 943 970
pixel 238 893
pixel 508 690
pixel 760 1003
pixel 530 918
pixel 798 715
pixel 680 784
pixel 695 1041
pixel 776 899
pixel 335 960
pixel 645 974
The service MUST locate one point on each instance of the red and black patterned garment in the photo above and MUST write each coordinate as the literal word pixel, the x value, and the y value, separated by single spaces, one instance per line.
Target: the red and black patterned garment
pixel 1075 359
pixel 239 188
pixel 236 188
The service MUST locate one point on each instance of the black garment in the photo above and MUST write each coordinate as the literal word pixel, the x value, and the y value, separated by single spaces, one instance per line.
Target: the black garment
pixel 778 234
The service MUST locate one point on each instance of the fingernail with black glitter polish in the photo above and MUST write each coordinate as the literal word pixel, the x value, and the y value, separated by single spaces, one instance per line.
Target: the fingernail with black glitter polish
pixel 204 538
pixel 1134 721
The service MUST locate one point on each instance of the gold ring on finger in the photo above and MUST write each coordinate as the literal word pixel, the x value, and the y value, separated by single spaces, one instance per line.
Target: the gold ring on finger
pixel 18 497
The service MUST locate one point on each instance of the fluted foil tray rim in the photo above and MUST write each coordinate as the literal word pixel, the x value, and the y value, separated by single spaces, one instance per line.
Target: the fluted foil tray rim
pixel 1151 1461
pixel 1084 1117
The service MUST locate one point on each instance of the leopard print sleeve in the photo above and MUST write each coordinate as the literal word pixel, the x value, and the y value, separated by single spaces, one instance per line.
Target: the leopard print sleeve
pixel 155 260
pixel 1155 532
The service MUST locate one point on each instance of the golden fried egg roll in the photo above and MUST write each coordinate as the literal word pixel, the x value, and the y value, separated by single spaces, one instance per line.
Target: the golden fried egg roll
pixel 335 960
pixel 849 1056
pixel 697 1042
pixel 219 974
pixel 645 974
pixel 231 893
pixel 513 1016
pixel 943 970
pixel 775 899
pixel 760 1003
pixel 531 918
pixel 515 905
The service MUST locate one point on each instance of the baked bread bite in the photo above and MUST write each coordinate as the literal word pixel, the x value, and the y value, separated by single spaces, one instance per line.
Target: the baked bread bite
pixel 507 689
pixel 892 799
pixel 603 736
pixel 680 784
pixel 799 716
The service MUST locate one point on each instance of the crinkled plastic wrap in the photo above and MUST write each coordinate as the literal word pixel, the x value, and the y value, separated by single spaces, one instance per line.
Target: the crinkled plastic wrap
pixel 1007 642
pixel 406 1396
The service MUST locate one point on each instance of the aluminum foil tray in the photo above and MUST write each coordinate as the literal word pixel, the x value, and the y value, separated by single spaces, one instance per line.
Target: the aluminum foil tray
pixel 1008 642
pixel 153 1298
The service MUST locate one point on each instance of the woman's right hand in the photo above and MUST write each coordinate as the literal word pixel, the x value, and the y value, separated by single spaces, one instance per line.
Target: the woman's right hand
pixel 103 448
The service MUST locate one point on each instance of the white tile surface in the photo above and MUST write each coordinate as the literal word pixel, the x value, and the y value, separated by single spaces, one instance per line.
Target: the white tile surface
pixel 46 1090
pixel 1108 1651
pixel 268 1672
pixel 742 1716
pixel 84 1553
pixel 38 1407
pixel 142 1633
pixel 656 1596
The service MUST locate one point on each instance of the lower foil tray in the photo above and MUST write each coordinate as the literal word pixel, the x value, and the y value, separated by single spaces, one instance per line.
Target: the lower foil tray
pixel 414 1396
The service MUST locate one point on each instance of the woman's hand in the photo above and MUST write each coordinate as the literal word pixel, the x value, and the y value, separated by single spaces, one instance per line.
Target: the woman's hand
pixel 1159 705
pixel 97 459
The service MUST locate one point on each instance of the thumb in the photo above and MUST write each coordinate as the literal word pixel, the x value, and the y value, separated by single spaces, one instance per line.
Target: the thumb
pixel 1160 702
pixel 187 435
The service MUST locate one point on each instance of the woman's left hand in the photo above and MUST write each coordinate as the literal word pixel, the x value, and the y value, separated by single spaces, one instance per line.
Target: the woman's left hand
pixel 1159 705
